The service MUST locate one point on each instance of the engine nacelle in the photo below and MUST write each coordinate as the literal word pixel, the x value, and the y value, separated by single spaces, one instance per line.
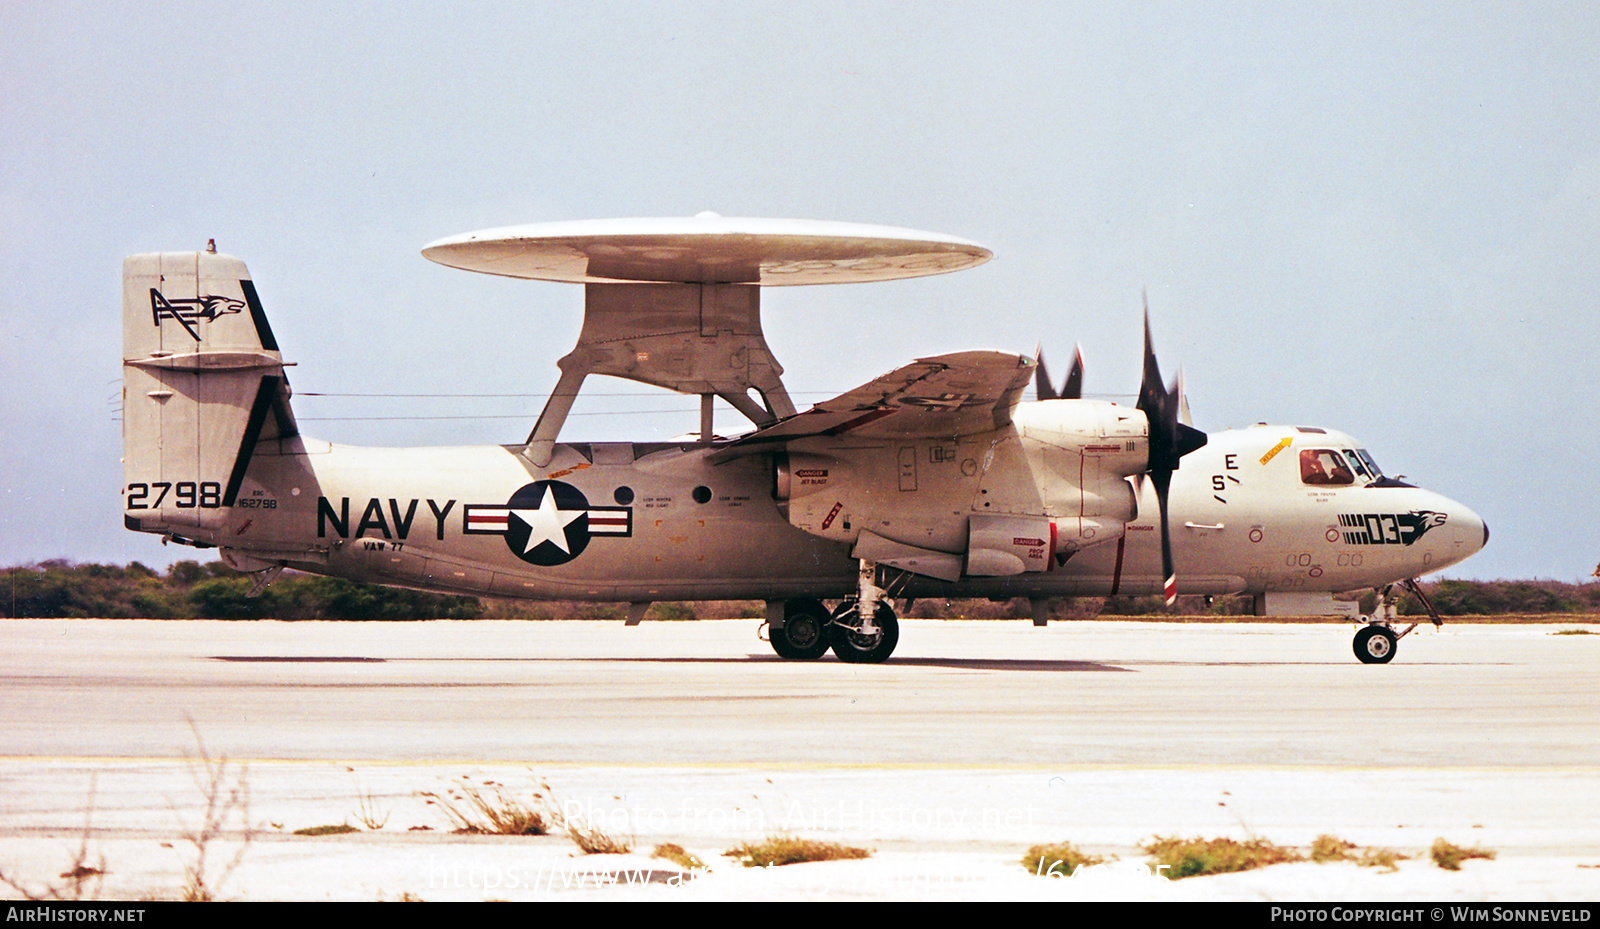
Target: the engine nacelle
pixel 1056 477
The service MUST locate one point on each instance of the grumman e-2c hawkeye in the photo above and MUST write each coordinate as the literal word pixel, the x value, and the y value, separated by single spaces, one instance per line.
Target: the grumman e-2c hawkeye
pixel 934 480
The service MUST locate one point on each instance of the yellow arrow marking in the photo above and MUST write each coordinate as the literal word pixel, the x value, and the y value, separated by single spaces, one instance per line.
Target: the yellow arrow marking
pixel 1276 449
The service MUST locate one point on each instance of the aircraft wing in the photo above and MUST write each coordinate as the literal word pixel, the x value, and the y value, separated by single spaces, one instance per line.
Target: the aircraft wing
pixel 944 396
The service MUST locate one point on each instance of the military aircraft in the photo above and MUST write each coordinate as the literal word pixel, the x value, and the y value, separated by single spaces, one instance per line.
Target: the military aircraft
pixel 935 480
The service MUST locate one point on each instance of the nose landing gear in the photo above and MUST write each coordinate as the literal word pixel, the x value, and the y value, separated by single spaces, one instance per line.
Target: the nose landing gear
pixel 1376 643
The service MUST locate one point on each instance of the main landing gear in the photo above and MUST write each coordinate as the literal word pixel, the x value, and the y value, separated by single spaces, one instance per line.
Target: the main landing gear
pixel 804 633
pixel 809 629
pixel 1376 643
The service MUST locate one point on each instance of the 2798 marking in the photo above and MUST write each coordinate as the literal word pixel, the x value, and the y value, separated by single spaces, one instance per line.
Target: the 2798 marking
pixel 186 495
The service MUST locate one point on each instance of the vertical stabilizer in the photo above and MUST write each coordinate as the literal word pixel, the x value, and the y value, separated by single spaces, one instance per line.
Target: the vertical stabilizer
pixel 202 383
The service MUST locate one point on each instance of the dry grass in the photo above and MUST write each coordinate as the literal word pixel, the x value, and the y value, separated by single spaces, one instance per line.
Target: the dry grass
pixel 1449 856
pixel 226 789
pixel 1328 848
pixel 1063 858
pixel 778 850
pixel 678 856
pixel 81 879
pixel 367 811
pixel 1193 857
pixel 489 809
pixel 596 841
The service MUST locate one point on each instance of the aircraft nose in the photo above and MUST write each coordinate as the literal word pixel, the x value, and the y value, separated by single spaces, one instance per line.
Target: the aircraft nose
pixel 1469 533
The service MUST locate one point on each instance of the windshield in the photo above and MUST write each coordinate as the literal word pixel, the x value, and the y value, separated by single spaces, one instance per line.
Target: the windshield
pixel 1372 466
pixel 1366 470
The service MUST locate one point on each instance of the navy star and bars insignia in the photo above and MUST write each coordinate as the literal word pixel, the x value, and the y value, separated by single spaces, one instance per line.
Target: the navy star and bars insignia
pixel 548 522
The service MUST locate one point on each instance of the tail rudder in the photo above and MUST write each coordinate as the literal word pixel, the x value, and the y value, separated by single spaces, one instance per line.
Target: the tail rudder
pixel 202 383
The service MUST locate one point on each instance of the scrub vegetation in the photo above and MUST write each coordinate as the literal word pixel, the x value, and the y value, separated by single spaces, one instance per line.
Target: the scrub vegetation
pixel 679 856
pixel 1449 856
pixel 340 829
pixel 1329 848
pixel 776 850
pixel 1194 857
pixel 1062 858
pixel 191 590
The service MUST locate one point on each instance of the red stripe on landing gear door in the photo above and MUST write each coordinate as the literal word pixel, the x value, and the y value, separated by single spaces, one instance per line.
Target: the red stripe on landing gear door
pixel 1051 564
pixel 1116 575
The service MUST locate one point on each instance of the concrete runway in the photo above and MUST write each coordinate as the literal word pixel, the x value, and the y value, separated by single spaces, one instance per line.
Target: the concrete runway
pixel 977 739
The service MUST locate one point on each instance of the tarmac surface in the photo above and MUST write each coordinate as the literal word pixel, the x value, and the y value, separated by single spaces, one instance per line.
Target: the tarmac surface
pixel 976 741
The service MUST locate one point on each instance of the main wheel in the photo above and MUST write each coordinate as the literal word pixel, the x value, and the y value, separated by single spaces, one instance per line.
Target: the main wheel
pixel 857 647
pixel 805 630
pixel 1375 645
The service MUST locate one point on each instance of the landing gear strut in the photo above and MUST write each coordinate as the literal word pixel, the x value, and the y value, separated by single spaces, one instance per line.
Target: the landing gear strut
pixel 808 630
pixel 1376 643
pixel 859 642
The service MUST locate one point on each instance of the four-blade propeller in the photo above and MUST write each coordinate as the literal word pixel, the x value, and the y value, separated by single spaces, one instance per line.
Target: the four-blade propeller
pixel 1170 440
pixel 1171 437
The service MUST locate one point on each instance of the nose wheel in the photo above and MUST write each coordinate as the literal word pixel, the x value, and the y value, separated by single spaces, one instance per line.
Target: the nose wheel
pixel 1376 644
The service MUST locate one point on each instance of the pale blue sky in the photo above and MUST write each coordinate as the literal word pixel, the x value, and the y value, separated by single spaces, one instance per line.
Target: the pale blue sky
pixel 1375 217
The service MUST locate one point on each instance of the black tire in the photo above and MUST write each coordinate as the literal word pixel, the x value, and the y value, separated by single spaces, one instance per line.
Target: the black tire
pixel 850 645
pixel 805 630
pixel 1375 645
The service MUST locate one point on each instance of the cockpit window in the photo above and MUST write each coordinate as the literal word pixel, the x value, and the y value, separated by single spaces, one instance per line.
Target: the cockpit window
pixel 1324 466
pixel 1377 472
pixel 1357 465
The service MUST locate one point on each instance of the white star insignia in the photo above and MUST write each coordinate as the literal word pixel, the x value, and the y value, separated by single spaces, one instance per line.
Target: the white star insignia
pixel 547 523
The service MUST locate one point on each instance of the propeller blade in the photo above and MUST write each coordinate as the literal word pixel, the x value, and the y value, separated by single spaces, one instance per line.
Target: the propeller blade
pixel 1169 441
pixel 1073 388
pixel 1042 388
pixel 1183 402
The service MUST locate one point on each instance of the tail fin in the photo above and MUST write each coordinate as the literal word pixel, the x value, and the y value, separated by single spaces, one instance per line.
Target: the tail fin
pixel 202 383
